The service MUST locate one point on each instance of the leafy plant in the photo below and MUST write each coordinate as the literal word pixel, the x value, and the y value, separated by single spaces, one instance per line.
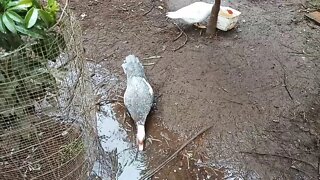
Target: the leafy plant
pixel 27 17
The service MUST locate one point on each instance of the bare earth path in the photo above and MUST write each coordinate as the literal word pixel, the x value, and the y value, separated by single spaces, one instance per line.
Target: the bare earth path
pixel 258 85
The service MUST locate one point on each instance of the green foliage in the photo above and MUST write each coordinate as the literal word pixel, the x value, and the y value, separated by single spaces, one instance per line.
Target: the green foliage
pixel 27 18
pixel 25 13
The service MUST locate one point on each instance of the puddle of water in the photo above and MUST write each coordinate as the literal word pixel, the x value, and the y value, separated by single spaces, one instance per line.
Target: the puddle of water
pixel 115 138
pixel 121 160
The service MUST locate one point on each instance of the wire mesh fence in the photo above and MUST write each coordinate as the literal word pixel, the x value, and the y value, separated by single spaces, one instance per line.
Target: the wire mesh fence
pixel 47 124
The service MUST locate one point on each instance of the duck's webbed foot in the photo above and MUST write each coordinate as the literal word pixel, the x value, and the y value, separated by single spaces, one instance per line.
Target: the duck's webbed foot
pixel 198 25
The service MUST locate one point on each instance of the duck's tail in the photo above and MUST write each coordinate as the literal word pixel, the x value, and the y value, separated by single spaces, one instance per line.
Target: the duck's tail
pixel 173 15
pixel 134 66
pixel 132 59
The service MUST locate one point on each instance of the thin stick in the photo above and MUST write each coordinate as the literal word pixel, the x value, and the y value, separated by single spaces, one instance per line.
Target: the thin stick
pixel 148 11
pixel 180 34
pixel 299 170
pixel 232 101
pixel 152 57
pixel 149 64
pixel 284 78
pixel 157 169
pixel 286 86
pixel 280 156
pixel 186 40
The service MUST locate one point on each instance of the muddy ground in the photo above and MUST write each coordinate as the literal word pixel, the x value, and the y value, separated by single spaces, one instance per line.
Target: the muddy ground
pixel 258 85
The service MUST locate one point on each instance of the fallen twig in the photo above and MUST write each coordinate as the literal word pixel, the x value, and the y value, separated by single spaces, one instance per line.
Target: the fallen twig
pixel 279 156
pixel 100 61
pixel 144 14
pixel 286 86
pixel 148 64
pixel 232 101
pixel 293 51
pixel 300 171
pixel 186 40
pixel 224 90
pixel 152 57
pixel 157 169
pixel 284 78
pixel 180 34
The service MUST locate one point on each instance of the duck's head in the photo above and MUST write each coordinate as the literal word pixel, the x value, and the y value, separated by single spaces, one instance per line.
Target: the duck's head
pixel 141 135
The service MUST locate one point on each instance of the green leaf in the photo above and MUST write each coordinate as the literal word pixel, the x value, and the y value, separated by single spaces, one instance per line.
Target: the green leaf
pixel 23 30
pixel 12 3
pixel 20 5
pixel 53 6
pixel 15 17
pixel 36 4
pixel 31 17
pixel 8 22
pixel 46 17
pixel 2 27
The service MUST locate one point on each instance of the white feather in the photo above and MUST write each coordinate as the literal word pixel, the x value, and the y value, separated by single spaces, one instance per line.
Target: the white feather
pixel 149 86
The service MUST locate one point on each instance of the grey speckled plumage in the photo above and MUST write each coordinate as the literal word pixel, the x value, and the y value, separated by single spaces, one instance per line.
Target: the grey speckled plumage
pixel 138 97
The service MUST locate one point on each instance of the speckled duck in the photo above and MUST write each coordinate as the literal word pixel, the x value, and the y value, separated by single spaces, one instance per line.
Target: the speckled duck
pixel 138 97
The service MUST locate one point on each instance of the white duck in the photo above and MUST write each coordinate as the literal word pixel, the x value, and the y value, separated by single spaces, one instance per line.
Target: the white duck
pixel 138 97
pixel 193 13
pixel 200 11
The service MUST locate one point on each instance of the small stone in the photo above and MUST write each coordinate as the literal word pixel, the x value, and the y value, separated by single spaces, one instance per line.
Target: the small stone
pixel 83 15
pixel 276 120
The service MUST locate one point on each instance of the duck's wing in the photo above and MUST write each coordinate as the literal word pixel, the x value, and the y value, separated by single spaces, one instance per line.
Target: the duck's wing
pixel 138 98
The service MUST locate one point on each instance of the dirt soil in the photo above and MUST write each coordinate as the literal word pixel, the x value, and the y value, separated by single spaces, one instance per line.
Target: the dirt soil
pixel 258 85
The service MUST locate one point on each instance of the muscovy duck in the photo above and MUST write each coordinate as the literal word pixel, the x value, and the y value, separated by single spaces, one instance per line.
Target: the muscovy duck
pixel 138 96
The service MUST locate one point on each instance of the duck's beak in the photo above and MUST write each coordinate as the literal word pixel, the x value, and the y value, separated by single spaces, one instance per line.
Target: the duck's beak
pixel 140 145
pixel 140 137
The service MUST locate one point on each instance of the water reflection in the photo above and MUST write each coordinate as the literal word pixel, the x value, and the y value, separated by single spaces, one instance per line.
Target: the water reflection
pixel 114 137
